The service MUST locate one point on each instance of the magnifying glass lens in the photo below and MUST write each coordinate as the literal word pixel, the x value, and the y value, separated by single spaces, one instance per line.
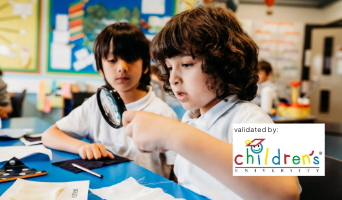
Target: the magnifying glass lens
pixel 111 106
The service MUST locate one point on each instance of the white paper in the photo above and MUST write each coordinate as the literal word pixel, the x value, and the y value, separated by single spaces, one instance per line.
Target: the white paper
pixel 6 51
pixel 62 22
pixel 271 27
pixel 61 37
pixel 76 190
pixel 81 54
pixel 14 133
pixel 339 51
pixel 22 9
pixel 90 60
pixel 79 65
pixel 28 143
pixel 6 153
pixel 307 55
pixel 60 56
pixel 339 67
pixel 153 7
pixel 247 26
pixel 131 189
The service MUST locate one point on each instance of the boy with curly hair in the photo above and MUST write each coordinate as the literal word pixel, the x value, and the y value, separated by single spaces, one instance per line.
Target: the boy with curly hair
pixel 211 67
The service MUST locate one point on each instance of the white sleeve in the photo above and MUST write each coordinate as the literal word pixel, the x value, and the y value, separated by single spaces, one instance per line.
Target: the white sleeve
pixel 170 157
pixel 173 116
pixel 256 116
pixel 78 123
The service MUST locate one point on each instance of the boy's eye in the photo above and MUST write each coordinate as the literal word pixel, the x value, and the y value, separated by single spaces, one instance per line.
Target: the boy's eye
pixel 112 61
pixel 186 65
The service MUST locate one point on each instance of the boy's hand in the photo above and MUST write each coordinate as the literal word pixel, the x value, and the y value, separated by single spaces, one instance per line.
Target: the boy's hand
pixel 3 114
pixel 149 131
pixel 94 151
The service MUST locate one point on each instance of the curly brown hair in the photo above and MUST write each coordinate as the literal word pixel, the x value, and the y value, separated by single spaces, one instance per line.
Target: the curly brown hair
pixel 214 33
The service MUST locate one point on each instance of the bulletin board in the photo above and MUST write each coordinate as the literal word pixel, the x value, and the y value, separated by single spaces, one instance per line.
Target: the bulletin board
pixel 19 35
pixel 281 43
pixel 74 25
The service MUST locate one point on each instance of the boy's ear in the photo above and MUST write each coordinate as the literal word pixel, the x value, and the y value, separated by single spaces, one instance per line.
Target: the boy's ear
pixel 100 72
pixel 146 70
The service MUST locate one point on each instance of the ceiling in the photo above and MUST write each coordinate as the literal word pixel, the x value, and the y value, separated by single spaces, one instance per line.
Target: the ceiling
pixel 295 3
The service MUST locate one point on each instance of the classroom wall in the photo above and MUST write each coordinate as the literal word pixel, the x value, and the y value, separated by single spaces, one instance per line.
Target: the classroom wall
pixel 280 13
pixel 333 12
pixel 17 82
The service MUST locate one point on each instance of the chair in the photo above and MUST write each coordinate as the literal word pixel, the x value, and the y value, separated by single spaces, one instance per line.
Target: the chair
pixel 79 98
pixel 17 103
pixel 323 187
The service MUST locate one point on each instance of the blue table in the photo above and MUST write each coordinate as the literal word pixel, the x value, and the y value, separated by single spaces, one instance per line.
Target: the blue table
pixel 112 174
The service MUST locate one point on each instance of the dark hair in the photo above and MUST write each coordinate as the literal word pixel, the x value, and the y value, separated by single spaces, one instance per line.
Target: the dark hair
pixel 129 43
pixel 229 56
pixel 266 66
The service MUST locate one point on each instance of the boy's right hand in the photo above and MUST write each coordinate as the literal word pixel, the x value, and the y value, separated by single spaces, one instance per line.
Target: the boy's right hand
pixel 94 151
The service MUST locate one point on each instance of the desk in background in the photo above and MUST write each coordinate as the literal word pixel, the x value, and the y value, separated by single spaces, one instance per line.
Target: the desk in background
pixel 112 174
pixel 277 119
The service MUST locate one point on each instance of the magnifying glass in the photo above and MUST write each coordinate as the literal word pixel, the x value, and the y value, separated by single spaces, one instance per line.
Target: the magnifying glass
pixel 111 105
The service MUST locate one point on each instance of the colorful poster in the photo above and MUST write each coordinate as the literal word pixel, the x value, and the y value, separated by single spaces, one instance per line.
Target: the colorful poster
pixel 19 36
pixel 74 25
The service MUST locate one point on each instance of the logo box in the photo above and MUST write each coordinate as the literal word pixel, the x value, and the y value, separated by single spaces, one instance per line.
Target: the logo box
pixel 278 150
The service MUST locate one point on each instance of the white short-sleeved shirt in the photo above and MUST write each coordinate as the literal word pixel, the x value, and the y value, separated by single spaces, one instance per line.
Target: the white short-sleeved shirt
pixel 218 122
pixel 86 121
pixel 268 83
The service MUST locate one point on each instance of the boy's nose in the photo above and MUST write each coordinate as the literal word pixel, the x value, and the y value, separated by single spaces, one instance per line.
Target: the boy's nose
pixel 123 65
pixel 174 79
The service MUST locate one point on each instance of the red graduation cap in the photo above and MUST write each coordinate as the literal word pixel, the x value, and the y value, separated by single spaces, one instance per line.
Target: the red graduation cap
pixel 255 142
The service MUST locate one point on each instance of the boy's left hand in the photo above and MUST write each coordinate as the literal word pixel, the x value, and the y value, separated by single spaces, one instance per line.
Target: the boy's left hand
pixel 149 131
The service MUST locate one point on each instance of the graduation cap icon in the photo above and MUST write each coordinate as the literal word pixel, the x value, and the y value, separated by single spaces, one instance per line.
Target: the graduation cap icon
pixel 254 143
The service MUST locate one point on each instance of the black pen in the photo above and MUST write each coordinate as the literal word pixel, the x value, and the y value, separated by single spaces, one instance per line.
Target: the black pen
pixel 87 170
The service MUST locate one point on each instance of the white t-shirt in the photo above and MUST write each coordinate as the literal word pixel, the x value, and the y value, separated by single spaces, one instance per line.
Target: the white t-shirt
pixel 218 122
pixel 268 83
pixel 86 121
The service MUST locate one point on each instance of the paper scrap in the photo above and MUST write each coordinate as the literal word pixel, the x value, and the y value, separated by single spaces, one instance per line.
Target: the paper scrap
pixel 66 90
pixel 22 8
pixel 48 87
pixel 79 65
pixel 61 37
pixel 60 56
pixel 41 94
pixel 48 191
pixel 6 51
pixel 339 66
pixel 82 87
pixel 40 104
pixel 47 106
pixel 56 102
pixel 14 133
pixel 81 54
pixel 307 57
pixel 133 190
pixel 153 7
pixel 62 22
pixel 90 60
pixel 6 153
pixel 76 190
pixel 28 143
